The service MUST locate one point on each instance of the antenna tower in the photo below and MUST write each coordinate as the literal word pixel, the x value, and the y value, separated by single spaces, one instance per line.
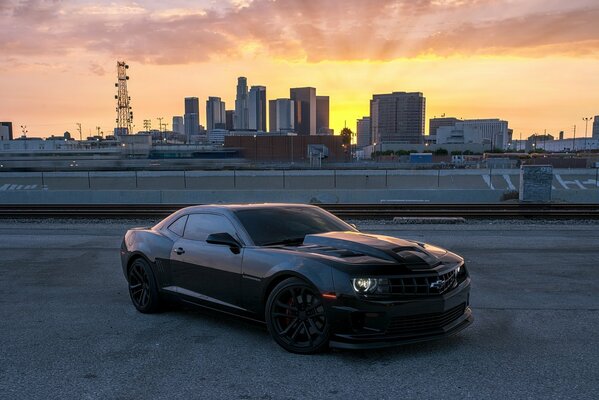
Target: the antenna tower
pixel 124 114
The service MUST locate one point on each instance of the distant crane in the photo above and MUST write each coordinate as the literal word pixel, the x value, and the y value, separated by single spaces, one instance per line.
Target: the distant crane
pixel 124 113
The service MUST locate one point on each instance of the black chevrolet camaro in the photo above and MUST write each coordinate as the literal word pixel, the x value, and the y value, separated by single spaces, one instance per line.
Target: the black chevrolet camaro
pixel 315 280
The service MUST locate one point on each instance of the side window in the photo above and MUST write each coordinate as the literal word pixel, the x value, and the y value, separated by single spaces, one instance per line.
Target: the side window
pixel 199 226
pixel 178 226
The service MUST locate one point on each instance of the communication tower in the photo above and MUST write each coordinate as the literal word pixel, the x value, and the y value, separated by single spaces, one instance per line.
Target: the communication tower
pixel 124 114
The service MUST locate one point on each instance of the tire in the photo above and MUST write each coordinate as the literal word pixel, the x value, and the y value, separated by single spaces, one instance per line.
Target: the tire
pixel 142 287
pixel 296 317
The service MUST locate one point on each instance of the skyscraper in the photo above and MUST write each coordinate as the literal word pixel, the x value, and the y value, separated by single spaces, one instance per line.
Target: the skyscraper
pixel 322 114
pixel 596 127
pixel 305 110
pixel 229 118
pixel 241 104
pixel 281 115
pixel 7 128
pixel 191 117
pixel 397 117
pixel 363 132
pixel 178 125
pixel 257 108
pixel 215 114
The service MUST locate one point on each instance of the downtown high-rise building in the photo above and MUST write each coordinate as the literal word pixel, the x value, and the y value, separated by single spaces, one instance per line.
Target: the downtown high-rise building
pixel 257 108
pixel 363 136
pixel 215 114
pixel 6 131
pixel 178 125
pixel 596 127
pixel 281 116
pixel 398 117
pixel 305 110
pixel 229 118
pixel 191 117
pixel 322 114
pixel 241 117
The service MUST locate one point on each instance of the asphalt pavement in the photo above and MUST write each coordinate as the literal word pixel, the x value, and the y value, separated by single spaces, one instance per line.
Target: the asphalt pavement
pixel 68 329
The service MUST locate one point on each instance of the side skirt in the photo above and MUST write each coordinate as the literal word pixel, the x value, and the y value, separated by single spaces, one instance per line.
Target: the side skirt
pixel 200 300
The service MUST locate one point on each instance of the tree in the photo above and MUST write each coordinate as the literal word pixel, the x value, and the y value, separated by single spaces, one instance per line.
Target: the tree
pixel 346 136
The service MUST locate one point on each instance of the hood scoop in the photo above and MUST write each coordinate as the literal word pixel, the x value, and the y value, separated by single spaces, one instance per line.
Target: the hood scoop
pixel 377 246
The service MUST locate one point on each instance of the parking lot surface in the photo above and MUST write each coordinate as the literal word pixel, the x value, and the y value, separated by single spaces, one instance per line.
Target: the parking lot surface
pixel 68 329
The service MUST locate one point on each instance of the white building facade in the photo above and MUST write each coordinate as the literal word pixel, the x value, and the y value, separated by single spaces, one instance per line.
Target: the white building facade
pixel 487 132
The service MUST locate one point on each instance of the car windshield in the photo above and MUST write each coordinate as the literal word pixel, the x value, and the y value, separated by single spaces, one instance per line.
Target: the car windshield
pixel 274 226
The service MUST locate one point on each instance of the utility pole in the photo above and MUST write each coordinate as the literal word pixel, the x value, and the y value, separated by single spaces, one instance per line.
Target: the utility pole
pixel 160 126
pixel 520 142
pixel 574 140
pixel 586 127
pixel 147 125
pixel 79 130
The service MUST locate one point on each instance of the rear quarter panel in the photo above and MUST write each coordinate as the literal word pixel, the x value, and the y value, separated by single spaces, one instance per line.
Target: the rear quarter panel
pixel 150 244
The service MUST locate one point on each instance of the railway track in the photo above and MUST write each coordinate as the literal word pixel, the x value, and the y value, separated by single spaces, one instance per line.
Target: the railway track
pixel 358 211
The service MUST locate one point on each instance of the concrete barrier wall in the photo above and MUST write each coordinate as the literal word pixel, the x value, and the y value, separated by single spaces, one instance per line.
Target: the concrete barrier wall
pixel 108 180
pixel 317 185
pixel 417 179
pixel 361 179
pixel 313 179
pixel 160 180
pixel 204 180
pixel 67 180
pixel 267 180
pixel 20 180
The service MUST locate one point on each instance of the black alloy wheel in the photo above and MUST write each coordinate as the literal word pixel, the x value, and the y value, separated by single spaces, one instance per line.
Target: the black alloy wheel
pixel 296 317
pixel 142 287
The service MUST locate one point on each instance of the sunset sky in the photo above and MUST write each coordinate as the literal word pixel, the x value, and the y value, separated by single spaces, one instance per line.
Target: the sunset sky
pixel 534 63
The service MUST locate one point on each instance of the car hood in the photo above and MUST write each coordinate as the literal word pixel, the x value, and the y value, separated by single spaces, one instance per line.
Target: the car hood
pixel 356 247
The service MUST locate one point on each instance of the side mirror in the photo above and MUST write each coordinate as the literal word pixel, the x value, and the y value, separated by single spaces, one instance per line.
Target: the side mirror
pixel 224 239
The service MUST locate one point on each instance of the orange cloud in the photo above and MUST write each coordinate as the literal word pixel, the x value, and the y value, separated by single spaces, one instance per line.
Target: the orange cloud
pixel 300 30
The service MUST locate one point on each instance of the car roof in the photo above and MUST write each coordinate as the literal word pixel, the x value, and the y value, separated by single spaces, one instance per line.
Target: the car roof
pixel 237 207
pixel 225 209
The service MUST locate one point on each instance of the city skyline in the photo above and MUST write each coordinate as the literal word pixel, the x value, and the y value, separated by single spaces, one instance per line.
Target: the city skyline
pixel 539 73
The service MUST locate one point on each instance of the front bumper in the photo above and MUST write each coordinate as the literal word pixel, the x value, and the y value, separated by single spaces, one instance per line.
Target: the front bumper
pixel 359 323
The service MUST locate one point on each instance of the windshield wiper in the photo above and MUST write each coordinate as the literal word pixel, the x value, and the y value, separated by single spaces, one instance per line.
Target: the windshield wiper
pixel 290 241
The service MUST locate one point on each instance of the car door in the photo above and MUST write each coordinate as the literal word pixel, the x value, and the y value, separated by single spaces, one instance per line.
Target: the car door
pixel 204 271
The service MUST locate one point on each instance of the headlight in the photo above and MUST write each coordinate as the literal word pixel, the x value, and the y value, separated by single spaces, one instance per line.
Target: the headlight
pixel 364 285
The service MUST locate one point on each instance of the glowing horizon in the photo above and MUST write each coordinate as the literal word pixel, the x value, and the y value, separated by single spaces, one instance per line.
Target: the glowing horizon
pixel 533 63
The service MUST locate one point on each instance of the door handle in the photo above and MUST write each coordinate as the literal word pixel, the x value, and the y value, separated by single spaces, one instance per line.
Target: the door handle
pixel 179 250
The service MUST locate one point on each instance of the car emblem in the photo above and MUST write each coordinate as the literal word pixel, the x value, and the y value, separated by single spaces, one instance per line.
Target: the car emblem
pixel 437 284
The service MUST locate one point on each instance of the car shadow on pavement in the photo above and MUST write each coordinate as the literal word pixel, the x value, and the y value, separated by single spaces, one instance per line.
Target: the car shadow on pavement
pixel 259 331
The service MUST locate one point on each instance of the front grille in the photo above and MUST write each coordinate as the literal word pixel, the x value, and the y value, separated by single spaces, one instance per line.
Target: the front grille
pixel 421 323
pixel 424 285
